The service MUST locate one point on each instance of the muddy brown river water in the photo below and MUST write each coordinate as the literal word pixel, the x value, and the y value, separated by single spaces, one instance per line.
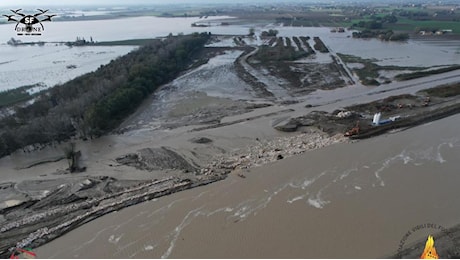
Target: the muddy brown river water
pixel 346 200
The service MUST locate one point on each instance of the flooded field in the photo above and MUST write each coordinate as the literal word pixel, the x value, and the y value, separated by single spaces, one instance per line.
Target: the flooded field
pixel 51 64
pixel 206 94
pixel 48 63
pixel 115 29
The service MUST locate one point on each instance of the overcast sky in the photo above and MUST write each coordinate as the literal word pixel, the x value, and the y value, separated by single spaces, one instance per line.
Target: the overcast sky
pixel 71 2
pixel 108 2
pixel 88 2
pixel 44 3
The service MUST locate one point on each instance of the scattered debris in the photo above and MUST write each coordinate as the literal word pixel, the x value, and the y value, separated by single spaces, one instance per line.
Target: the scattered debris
pixel 156 159
pixel 201 140
pixel 344 114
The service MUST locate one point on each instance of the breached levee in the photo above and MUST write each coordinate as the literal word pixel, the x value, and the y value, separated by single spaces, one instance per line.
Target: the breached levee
pixel 267 152
pixel 67 217
pixel 39 220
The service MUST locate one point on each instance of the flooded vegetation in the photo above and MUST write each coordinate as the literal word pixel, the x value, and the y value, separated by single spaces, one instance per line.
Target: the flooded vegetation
pixel 264 110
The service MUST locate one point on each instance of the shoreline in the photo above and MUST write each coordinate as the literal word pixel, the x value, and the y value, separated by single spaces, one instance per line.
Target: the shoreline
pixel 45 234
pixel 83 211
pixel 237 163
pixel 412 121
pixel 306 190
pixel 32 226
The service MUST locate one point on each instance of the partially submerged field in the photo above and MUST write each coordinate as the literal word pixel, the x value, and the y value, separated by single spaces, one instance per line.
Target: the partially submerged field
pixel 399 18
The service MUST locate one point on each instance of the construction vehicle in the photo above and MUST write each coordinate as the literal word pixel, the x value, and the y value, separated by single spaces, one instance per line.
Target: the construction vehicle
pixel 353 131
pixel 426 102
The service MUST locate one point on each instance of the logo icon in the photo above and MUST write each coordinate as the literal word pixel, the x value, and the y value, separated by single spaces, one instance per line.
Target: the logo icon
pixel 430 251
pixel 27 24
pixel 449 249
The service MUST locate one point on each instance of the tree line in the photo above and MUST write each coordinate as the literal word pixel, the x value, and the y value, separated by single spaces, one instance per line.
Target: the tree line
pixel 95 103
pixel 376 22
pixel 387 35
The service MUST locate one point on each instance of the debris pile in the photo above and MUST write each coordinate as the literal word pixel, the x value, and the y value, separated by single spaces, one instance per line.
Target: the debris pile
pixel 266 152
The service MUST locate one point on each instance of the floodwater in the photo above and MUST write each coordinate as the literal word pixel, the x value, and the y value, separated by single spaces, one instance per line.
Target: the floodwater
pixel 34 64
pixel 28 65
pixel 344 201
pixel 51 64
pixel 212 88
pixel 216 78
pixel 113 29
pixel 419 53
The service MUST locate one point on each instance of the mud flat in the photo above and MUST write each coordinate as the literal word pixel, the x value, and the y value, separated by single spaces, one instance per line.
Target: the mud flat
pixel 400 112
pixel 243 68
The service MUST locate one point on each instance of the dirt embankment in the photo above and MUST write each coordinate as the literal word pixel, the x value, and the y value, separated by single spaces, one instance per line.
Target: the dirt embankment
pixel 242 68
pixel 397 112
pixel 295 71
pixel 37 215
pixel 37 211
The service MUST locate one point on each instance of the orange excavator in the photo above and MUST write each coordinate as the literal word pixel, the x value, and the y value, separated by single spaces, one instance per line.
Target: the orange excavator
pixel 353 131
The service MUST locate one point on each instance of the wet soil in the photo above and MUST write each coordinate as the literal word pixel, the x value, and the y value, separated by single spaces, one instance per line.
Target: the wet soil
pixel 299 76
pixel 39 215
pixel 157 159
pixel 409 110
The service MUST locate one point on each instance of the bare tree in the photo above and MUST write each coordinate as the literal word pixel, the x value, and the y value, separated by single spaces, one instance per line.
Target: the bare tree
pixel 72 156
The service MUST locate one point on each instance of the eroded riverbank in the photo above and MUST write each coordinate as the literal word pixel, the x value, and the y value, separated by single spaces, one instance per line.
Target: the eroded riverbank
pixel 345 200
pixel 39 211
